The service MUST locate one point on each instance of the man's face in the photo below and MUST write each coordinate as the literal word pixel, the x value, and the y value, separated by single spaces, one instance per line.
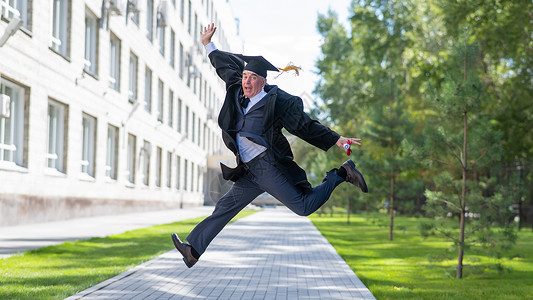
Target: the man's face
pixel 252 83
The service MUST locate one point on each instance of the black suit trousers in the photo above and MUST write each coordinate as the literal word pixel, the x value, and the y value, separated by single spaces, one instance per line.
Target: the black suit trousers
pixel 262 176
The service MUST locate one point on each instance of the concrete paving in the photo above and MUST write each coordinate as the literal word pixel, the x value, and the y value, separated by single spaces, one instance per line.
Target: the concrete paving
pixel 18 239
pixel 272 254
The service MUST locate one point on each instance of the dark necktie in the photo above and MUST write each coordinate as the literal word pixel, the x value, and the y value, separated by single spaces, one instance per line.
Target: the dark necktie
pixel 244 101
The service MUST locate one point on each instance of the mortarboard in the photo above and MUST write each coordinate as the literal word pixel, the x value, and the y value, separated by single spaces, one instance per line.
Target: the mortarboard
pixel 257 64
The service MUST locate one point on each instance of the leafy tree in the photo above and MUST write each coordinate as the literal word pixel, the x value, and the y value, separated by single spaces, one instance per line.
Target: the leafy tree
pixel 502 30
pixel 366 85
pixel 465 144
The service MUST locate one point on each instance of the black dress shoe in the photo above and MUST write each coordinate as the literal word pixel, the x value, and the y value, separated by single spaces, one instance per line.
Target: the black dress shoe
pixel 185 250
pixel 353 176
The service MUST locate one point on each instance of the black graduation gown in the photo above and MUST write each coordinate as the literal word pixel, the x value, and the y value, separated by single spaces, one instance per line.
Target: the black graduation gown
pixel 282 110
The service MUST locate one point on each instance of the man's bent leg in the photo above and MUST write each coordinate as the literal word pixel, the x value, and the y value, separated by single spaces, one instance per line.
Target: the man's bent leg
pixel 276 184
pixel 241 194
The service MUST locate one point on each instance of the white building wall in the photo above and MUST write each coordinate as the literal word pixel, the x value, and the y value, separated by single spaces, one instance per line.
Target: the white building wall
pixel 30 192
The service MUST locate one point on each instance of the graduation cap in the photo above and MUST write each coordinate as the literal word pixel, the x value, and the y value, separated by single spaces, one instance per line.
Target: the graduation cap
pixel 257 64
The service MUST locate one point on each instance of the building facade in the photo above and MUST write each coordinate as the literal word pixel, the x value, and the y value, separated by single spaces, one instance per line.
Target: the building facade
pixel 113 106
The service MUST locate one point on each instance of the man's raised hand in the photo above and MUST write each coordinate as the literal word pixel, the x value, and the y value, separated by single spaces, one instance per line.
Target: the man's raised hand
pixel 207 33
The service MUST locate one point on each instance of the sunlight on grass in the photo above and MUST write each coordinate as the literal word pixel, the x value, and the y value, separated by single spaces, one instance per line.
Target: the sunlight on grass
pixel 407 267
pixel 60 271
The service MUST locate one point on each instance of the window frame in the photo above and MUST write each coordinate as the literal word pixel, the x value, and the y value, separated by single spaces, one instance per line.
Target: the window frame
pixel 170 121
pixel 178 172
pixel 115 45
pixel 131 159
pixel 172 59
pixel 158 166
pixel 160 100
pixel 112 152
pixel 91 43
pixel 145 159
pixel 60 27
pixel 150 20
pixel 57 132
pixel 14 127
pixel 169 170
pixel 148 89
pixel 88 153
pixel 133 82
pixel 161 37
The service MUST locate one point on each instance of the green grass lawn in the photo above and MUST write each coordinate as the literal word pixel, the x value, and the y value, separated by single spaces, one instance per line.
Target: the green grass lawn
pixel 405 268
pixel 60 271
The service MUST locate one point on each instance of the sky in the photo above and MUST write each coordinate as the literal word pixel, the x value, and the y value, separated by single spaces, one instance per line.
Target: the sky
pixel 285 31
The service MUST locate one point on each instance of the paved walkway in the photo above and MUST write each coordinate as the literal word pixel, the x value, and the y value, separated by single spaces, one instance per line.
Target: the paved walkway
pixel 272 254
pixel 15 239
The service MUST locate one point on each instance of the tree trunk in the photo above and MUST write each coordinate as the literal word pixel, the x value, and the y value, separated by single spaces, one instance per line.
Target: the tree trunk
pixel 391 204
pixel 463 196
pixel 348 212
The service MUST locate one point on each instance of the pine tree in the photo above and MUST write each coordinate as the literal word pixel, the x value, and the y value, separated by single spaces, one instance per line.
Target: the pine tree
pixel 464 145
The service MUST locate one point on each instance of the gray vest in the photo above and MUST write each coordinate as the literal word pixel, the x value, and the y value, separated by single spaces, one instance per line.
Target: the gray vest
pixel 251 124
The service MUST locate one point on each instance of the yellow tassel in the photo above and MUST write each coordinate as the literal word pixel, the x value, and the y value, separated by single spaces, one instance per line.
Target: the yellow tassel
pixel 290 67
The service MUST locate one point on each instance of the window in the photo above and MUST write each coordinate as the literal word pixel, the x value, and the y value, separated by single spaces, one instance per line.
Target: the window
pixel 91 42
pixel 160 99
pixel 181 66
pixel 161 35
pixel 192 177
pixel 150 19
pixel 60 26
pixel 12 131
pixel 132 145
pixel 145 156
pixel 193 133
pixel 192 75
pixel 185 174
pixel 132 93
pixel 205 93
pixel 189 67
pixel 198 173
pixel 158 168
pixel 114 63
pixel 19 8
pixel 148 90
pixel 172 48
pixel 198 131
pixel 112 152
pixel 178 116
pixel 182 11
pixel 210 101
pixel 135 17
pixel 204 137
pixel 186 120
pixel 195 26
pixel 200 88
pixel 57 133
pixel 169 169
pixel 209 137
pixel 170 108
pixel 189 18
pixel 178 170
pixel 88 144
pixel 9 9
